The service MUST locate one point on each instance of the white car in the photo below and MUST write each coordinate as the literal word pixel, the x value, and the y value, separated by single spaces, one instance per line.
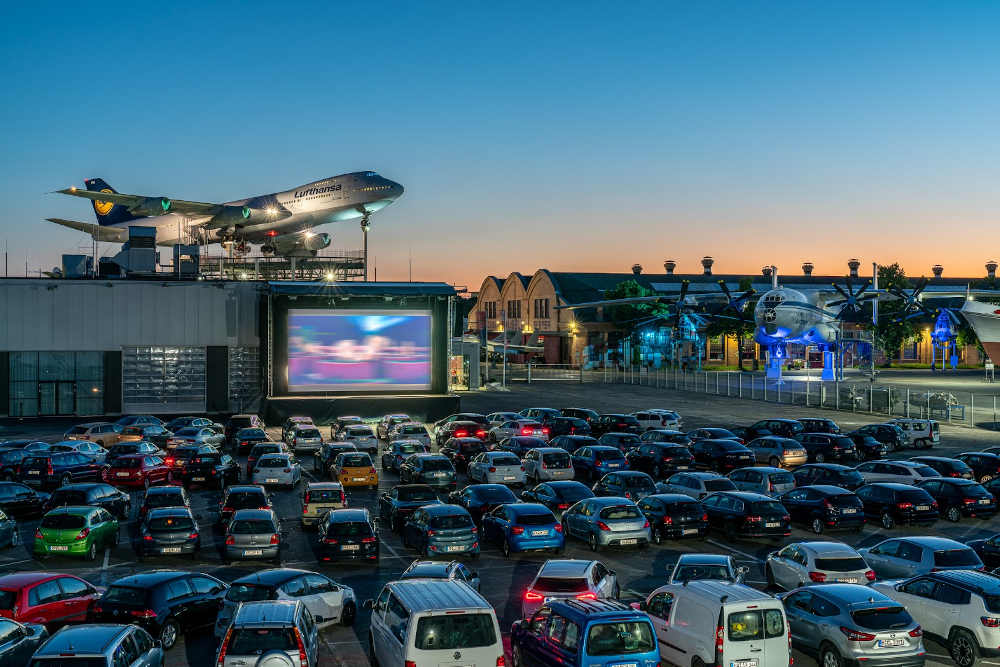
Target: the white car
pixel 410 431
pixel 496 468
pixel 957 607
pixel 526 427
pixel 544 464
pixel 276 470
pixel 361 436
pixel 656 418
pixel 807 563
pixel 902 472
pixel 306 438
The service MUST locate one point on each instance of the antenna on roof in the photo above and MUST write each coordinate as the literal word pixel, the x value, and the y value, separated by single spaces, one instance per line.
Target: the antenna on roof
pixel 722 600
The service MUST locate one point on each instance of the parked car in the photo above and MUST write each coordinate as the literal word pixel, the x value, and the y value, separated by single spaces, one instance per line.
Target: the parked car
pixel 441 529
pixel 805 563
pixel 566 426
pixel 957 498
pixel 129 449
pixel 509 429
pixel 824 507
pixel 306 438
pixel 94 494
pixel 889 434
pixel 339 424
pixel 720 455
pixel 328 453
pixel 838 623
pixel 246 438
pixel 388 422
pixel 166 531
pixel 51 470
pixel 746 514
pixel 432 569
pixel 100 645
pixel 900 472
pixel 396 504
pixel 253 534
pixel 347 534
pixel 658 418
pixel 946 467
pixel 922 433
pixel 659 459
pixel 760 479
pixel 498 467
pixel 714 433
pixel 557 495
pixel 592 463
pixel 434 470
pixel 867 447
pixel 140 471
pixel 824 447
pixel 673 516
pixel 950 607
pixel 75 531
pixel 354 469
pixel 284 628
pixel 547 463
pixel 571 443
pixel 101 433
pixel 607 522
pixel 18 500
pixel 481 499
pixel 559 579
pixel 461 450
pixel 615 423
pixel 10 461
pixel 153 433
pixel 778 452
pixel 361 436
pixel 699 567
pixel 631 484
pixel 890 503
pixel 91 449
pixel 622 441
pixel 919 554
pixel 818 425
pixel 179 456
pixel 518 445
pixel 243 496
pixel 193 435
pixel 291 423
pixel 318 498
pixel 46 598
pixel 397 451
pixel 410 431
pixel 459 429
pixel 237 422
pixel 585 414
pixel 178 423
pixel 519 527
pixel 277 470
pixel 473 417
pixel 666 435
pixel 785 428
pixel 698 485
pixel 833 474
pixel 985 467
pixel 497 418
pixel 212 469
pixel 539 414
pixel 163 496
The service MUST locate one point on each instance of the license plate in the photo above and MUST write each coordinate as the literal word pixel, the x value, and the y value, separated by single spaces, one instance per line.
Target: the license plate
pixel 984 501
pixel 683 467
pixel 772 524
pixel 612 465
pixel 350 547
pixel 59 547
pixel 886 643
pixel 923 508
pixel 456 548
pixel 34 472
pixel 171 550
pixel 631 540
pixel 848 580
pixel 752 662
pixel 197 479
pixel 849 510
pixel 253 552
pixel 689 531
pixel 271 480
pixel 358 479
pixel 121 474
pixel 510 478
pixel 539 533
pixel 439 474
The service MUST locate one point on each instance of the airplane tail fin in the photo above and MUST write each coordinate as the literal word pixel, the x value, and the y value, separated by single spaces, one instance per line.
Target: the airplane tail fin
pixel 107 212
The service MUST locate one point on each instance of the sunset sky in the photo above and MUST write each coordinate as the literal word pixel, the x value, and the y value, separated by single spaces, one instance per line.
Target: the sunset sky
pixel 576 137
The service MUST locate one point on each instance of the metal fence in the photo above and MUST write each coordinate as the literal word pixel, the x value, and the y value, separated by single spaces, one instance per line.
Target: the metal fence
pixel 960 408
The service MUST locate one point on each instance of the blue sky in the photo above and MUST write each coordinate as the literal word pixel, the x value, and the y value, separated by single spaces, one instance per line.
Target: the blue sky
pixel 581 136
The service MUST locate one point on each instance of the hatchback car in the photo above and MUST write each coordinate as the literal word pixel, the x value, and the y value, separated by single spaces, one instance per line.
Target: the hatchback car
pixel 625 442
pixel 957 498
pixel 158 435
pixel 778 452
pixel 347 534
pixel 296 421
pixel 673 516
pixel 75 531
pixel 568 579
pixel 833 474
pixel 354 469
pixel 519 427
pixel 277 470
pixel 945 466
pixel 566 426
pixel 460 451
pixel 714 433
pixel 720 456
pixel 701 567
pixel 307 438
pixel 607 522
pixel 768 481
pixel 237 422
pixel 480 499
pixel 519 527
pixel 282 630
pixel 824 447
pixel 46 597
pixel 361 436
pixel 592 463
pixel 210 470
pixel 163 496
pixel 558 496
pixel 432 569
pixel 411 431
pixel 244 496
pixel 890 434
pixel 824 507
pixel 570 443
pixel 339 424
pixel 99 645
pixel 919 554
pixel 698 485
pixel 139 471
pixel 441 529
pixel 805 563
pixel 397 451
pixel 165 603
pixel 498 467
pixel 328 453
pixel 985 467
pixel 818 425
pixel 261 448
pixel 318 498
pixel 746 514
pixel 616 423
pixel 167 531
pixel 388 422
pixel 396 504
pixel 630 484
pixel 434 470
pixel 129 448
pixel 890 503
pixel 459 429
pixel 253 535
pixel 547 463
pixel 193 435
pixel 660 459
pixel 246 438
pixel 867 447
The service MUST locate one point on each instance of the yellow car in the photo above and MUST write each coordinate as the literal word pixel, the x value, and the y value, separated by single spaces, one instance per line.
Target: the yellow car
pixel 354 469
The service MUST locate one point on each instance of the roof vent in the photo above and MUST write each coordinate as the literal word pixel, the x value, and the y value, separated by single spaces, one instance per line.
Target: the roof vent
pixel 807 268
pixel 991 269
pixel 669 266
pixel 766 272
pixel 706 263
pixel 938 270
pixel 636 269
pixel 853 264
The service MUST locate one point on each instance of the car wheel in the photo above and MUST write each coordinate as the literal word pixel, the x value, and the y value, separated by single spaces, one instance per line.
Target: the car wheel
pixel 821 458
pixel 774 462
pixel 168 634
pixel 953 514
pixel 348 615
pixel 92 551
pixel 817 526
pixel 594 546
pixel 66 479
pixel 829 657
pixel 887 521
pixel 963 648
pixel 506 548
pixel 515 656
pixel 697 662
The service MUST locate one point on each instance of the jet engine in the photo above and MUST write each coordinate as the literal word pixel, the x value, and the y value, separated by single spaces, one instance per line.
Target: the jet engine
pixel 151 206
pixel 230 217
pixel 299 245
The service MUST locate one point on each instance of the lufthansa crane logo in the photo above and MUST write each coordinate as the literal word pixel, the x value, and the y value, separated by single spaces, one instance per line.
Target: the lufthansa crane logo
pixel 103 207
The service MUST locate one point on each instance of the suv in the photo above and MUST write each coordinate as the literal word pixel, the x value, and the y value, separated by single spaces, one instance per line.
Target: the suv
pixel 922 433
pixel 318 498
pixel 616 423
pixel 47 470
pixel 890 434
pixel 283 627
pixel 103 645
pixel 236 422
pixel 823 447
pixel 575 633
pixel 959 608
pixel 891 503
pixel 399 502
pixel 97 495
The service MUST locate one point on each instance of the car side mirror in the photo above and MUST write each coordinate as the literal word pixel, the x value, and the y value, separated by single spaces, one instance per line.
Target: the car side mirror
pixel 29 631
pixel 368 604
pixel 638 606
pixel 741 573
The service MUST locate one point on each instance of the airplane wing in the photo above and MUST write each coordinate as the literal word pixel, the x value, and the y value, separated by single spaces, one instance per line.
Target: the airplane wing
pixel 96 232
pixel 181 206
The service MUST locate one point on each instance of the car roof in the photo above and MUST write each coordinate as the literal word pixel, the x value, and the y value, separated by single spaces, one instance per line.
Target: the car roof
pixel 768 469
pixel 550 450
pixel 487 487
pixel 253 514
pixel 427 568
pixel 604 448
pixel 83 486
pixel 671 498
pixel 266 611
pixel 75 510
pixel 632 473
pixel 565 484
pixel 980 582
pixel 529 508
pixel 348 515
pixel 582 611
pixel 894 486
pixel 444 509
pixel 169 511
pixel 244 488
pixel 18 580
pixel 749 496
pixel 852 594
pixel 727 592
pixel 564 567
pixel 704 559
pixel 827 548
pixel 273 577
pixel 831 466
pixel 92 638
pixel 702 476
pixel 437 594
pixel 332 486
pixel 934 542
pixel 165 491
pixel 908 464
pixel 829 489
pixel 608 501
pixel 149 579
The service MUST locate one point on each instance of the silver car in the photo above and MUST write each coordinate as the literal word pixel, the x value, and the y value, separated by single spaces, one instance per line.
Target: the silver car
pixel 498 467
pixel 387 423
pixel 361 436
pixel 94 645
pixel 768 481
pixel 853 624
pixel 566 579
pixel 253 535
pixel 509 429
pixel 276 470
pixel 284 631
pixel 901 472
pixel 305 438
pixel 807 563
pixel 432 569
pixel 698 485
pixel 606 522
pixel 192 435
pixel 497 418
pixel 909 556
pixel 544 464
pixel 410 431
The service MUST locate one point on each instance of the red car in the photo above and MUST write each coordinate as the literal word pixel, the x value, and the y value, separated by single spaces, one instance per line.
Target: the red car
pixel 46 597
pixel 139 470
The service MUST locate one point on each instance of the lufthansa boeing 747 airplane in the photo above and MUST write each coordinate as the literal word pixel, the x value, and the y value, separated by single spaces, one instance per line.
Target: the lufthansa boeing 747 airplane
pixel 281 222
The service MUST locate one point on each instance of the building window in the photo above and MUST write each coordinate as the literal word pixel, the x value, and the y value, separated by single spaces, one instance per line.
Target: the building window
pixel 541 309
pixel 514 310
pixel 716 348
pixel 490 308
pixel 56 383
pixel 909 352
pixel 163 379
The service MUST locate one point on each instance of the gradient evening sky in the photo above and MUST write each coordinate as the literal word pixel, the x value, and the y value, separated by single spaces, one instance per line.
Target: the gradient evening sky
pixel 572 136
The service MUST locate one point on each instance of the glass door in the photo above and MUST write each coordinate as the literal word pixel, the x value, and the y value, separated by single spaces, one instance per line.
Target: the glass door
pixel 46 398
pixel 66 398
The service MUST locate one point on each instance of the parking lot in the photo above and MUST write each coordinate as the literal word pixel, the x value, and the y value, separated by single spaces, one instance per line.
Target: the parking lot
pixel 503 581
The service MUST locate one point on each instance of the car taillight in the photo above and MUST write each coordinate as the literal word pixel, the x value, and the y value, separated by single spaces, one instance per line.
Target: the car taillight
pixel 527 431
pixel 904 506
pixel 169 461
pixel 343 498
pixel 430 533
pixel 562 506
pixel 501 661
pixel 532 596
pixel 667 520
pixel 409 663
pixel 856 635
pixel 753 519
pixel 143 613
pixel 517 530
pixel 646 525
pixel 82 535
pixel 329 540
pixel 193 536
pixel 586 596
pixel 303 659
pixel 818 577
pixel 274 538
pixel 147 538
pixel 244 443
pixel 704 517
pixel 480 434
pixel 461 434
pixel 227 509
pixel 368 540
pixel 49 470
pixel 230 540
pixel 38 535
pixel 558 527
pixel 870 575
pixel 602 525
pixel 474 530
pixel 988 621
pixel 492 469
pixel 719 635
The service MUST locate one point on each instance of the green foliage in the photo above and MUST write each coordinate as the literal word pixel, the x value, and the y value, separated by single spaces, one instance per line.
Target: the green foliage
pixel 891 334
pixel 741 332
pixel 628 316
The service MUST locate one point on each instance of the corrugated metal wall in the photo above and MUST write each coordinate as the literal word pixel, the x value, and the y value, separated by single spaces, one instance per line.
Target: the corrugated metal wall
pixel 51 315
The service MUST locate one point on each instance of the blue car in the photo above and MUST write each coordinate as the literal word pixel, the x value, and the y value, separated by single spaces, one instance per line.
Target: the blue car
pixel 594 462
pixel 441 530
pixel 523 527
pixel 591 633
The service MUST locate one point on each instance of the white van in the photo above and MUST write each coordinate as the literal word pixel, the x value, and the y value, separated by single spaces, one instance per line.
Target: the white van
pixel 433 622
pixel 750 626
pixel 923 433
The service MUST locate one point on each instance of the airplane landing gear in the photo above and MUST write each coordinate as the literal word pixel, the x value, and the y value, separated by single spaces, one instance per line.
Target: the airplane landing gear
pixel 242 247
pixel 267 249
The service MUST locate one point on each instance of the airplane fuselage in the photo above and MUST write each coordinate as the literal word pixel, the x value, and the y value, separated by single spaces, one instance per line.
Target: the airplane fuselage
pixel 787 316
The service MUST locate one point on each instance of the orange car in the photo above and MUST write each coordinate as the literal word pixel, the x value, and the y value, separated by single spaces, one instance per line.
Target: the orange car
pixel 354 469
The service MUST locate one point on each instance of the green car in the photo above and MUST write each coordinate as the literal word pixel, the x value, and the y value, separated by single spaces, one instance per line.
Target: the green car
pixel 77 531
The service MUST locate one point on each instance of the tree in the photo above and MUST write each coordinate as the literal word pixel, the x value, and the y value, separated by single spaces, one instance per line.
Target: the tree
pixel 628 317
pixel 730 327
pixel 891 332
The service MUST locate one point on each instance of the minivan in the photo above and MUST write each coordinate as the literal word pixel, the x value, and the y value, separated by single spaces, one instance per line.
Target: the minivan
pixel 433 622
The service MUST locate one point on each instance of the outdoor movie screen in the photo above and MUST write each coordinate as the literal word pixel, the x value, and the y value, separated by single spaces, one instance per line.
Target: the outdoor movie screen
pixel 337 350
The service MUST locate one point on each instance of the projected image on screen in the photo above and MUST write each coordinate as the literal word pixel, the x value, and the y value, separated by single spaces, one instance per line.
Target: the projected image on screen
pixel 333 350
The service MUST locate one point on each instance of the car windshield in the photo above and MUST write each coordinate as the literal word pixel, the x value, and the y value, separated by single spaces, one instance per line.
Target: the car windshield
pixel 256 641
pixel 676 451
pixel 63 521
pixel 188 432
pixel 260 450
pixel 471 447
pixel 250 593
pixel 64 497
pixel 841 564
pixel 349 529
pixel 844 500
pixel 640 482
pixel 914 496
pixel 164 500
pixel 782 478
pixel 307 433
pixel 436 465
pixel 731 446
pixel 608 455
pixel 455 631
pixel 355 461
pixel 244 499
pixel 77 430
pixel 410 448
pixel 561 584
pixel 620 638
pixel 747 626
pixel 956 558
pixel 556 460
pixel 249 526
pixel 169 523
pixel 534 519
pixel 696 572
pixel 620 513
pixel 359 431
pixel 415 495
pixel 319 495
pixel 852 477
pixel 719 485
pixel 239 422
pixel 125 595
pixel 842 441
pixel 252 433
pixel 882 618
pixel 449 521
pixel 926 471
pixel 272 462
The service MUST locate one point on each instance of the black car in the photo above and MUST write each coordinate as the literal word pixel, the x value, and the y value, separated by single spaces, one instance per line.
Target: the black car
pixel 96 494
pixel 660 459
pixel 246 438
pixel 557 495
pixel 181 454
pixel 10 461
pixel 459 429
pixel 586 414
pixel 867 447
pixel 519 445
pixel 566 426
pixel 946 467
pixel 890 434
pixel 177 423
pixel 745 434
pixel 985 467
pixel 631 484
pixel 833 474
pixel 347 534
pixel 165 603
pixel 890 503
pixel 432 469
pixel 824 447
pixel 571 443
pixel 238 422
pixel 957 498
pixel 988 550
pixel 462 450
pixel 819 425
pixel 163 496
pixel 622 441
pixel 615 423
pixel 745 514
pixel 51 470
pixel 480 499
pixel 784 428
pixel 721 456
pixel 211 469
pixel 674 515
pixel 129 448
pixel 824 507
pixel 399 502
pixel 323 459
pixel 665 435
pixel 167 531
pixel 713 433
pixel 243 497
pixel 18 500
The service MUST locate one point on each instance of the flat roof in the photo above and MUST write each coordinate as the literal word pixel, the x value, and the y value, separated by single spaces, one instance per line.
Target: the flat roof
pixel 356 288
